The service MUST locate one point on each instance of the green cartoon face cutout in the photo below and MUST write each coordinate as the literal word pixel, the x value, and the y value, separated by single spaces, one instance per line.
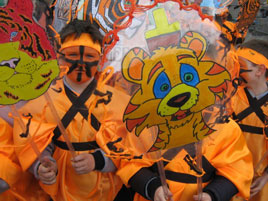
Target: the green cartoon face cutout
pixel 21 76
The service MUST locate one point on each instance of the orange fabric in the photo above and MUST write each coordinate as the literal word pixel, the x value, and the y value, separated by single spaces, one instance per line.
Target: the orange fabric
pixel 26 154
pixel 25 189
pixel 225 149
pixel 23 186
pixel 71 186
pixel 9 170
pixel 226 53
pixel 229 33
pixel 252 56
pixel 83 40
pixel 256 143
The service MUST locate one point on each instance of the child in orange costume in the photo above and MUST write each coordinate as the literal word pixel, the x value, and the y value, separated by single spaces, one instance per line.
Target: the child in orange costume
pixel 90 175
pixel 250 109
pixel 14 183
pixel 227 166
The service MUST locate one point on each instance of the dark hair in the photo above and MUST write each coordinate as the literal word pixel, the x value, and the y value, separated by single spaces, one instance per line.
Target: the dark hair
pixel 78 27
pixel 257 45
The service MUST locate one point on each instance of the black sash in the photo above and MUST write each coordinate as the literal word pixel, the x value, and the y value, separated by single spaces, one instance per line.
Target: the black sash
pixel 191 179
pixel 254 106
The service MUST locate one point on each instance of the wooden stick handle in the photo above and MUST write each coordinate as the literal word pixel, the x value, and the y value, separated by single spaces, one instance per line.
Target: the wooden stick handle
pixel 59 123
pixel 199 166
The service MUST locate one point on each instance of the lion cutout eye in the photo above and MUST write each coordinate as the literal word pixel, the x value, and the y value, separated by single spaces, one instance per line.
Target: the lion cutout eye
pixel 189 75
pixel 162 85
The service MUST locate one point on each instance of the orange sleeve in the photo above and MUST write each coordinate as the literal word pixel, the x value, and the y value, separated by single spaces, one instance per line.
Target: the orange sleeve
pixel 24 150
pixel 231 157
pixel 9 170
pixel 129 168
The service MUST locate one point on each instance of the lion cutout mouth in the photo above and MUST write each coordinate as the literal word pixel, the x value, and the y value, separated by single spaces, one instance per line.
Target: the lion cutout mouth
pixel 181 114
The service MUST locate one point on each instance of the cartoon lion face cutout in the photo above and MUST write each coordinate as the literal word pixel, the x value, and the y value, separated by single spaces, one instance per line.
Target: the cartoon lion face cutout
pixel 175 85
pixel 21 76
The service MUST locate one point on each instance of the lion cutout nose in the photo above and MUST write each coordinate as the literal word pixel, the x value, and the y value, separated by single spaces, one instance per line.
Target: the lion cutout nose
pixel 179 100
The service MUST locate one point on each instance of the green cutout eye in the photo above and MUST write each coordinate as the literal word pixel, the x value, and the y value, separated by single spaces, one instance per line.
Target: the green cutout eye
pixel 164 87
pixel 188 77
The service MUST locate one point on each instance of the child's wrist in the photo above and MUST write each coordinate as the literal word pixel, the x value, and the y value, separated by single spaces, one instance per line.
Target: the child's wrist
pixel 266 170
pixel 98 160
pixel 265 173
pixel 152 186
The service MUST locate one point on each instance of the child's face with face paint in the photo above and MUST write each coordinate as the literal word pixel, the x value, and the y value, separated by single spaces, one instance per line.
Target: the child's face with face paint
pixel 247 71
pixel 81 60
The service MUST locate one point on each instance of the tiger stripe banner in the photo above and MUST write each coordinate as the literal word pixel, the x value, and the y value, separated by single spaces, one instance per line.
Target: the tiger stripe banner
pixel 104 12
pixel 247 14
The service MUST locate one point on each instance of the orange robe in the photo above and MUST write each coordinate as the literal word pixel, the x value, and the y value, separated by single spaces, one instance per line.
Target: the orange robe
pixel 70 186
pixel 226 151
pixel 257 143
pixel 23 186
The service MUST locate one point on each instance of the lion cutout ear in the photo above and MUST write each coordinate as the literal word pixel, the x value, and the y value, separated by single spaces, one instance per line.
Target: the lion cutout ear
pixel 132 65
pixel 196 42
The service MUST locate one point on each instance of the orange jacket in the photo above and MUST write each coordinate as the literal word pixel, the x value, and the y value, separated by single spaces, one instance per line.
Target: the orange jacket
pixel 22 184
pixel 257 143
pixel 226 151
pixel 70 186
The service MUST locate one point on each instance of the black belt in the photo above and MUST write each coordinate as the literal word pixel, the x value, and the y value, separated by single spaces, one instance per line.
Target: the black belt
pixel 78 146
pixel 253 129
pixel 187 178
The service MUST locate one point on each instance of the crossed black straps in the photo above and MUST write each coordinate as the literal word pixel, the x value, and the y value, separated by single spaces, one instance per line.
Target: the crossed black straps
pixel 78 105
pixel 254 106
